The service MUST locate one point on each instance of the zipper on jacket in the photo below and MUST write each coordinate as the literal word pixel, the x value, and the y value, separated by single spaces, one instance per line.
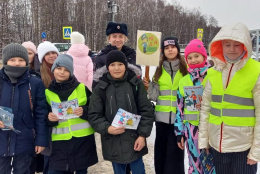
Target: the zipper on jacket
pixel 229 75
pixel 129 101
pixel 9 133
pixel 9 142
pixel 171 71
pixel 12 101
pixel 221 130
pixel 111 104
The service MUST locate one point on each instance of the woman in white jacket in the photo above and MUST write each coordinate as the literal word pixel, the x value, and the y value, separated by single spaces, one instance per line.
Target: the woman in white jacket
pixel 230 110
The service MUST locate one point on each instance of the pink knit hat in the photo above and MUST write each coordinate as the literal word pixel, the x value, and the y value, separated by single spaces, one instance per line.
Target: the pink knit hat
pixel 30 45
pixel 197 46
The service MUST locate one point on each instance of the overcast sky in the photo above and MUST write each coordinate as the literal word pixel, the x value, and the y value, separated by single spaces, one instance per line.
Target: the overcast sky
pixel 228 11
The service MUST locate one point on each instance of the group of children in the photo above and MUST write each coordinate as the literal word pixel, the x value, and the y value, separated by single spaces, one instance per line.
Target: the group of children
pixel 225 123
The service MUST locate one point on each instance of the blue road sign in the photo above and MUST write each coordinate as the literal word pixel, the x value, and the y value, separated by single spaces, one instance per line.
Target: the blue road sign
pixel 43 35
pixel 67 32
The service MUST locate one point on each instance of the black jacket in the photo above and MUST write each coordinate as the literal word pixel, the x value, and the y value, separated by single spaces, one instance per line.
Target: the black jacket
pixel 110 95
pixel 76 153
pixel 100 60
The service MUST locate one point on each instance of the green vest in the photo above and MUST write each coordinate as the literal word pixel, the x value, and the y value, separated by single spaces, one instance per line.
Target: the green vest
pixel 189 116
pixel 75 127
pixel 166 104
pixel 235 105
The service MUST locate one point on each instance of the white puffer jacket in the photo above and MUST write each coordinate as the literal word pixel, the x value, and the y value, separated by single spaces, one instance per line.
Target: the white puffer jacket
pixel 224 138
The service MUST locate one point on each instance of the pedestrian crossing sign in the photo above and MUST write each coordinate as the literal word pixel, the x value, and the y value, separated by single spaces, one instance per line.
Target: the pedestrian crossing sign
pixel 67 32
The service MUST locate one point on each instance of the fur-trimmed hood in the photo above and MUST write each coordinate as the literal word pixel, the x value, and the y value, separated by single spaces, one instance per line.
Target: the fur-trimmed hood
pixel 101 71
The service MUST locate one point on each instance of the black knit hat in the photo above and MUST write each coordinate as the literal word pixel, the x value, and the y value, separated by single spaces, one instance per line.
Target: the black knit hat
pixel 113 27
pixel 116 56
pixel 170 40
pixel 14 50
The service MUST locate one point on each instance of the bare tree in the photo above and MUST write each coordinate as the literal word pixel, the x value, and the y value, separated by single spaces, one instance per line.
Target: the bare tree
pixel 26 19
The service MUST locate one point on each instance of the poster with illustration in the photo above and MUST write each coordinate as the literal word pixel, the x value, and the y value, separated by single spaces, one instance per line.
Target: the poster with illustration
pixel 65 110
pixel 148 48
pixel 193 97
pixel 126 119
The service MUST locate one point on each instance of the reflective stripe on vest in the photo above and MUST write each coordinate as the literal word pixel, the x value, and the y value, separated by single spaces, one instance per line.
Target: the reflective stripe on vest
pixel 189 116
pixel 233 112
pixel 167 92
pixel 166 104
pixel 233 99
pixel 75 127
pixel 234 106
pixel 164 117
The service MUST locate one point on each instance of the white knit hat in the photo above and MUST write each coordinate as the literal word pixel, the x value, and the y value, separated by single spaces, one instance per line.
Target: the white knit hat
pixel 44 48
pixel 77 38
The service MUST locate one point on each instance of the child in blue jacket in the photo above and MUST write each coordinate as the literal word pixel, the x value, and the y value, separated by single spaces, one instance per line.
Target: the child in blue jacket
pixel 24 95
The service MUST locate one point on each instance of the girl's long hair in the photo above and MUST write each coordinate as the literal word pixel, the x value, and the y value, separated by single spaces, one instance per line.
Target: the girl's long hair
pixel 45 74
pixel 182 67
pixel 32 63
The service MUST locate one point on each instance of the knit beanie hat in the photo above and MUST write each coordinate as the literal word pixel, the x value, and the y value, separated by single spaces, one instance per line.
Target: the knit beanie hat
pixel 29 45
pixel 113 27
pixel 63 60
pixel 14 50
pixel 196 46
pixel 170 40
pixel 44 48
pixel 77 38
pixel 115 56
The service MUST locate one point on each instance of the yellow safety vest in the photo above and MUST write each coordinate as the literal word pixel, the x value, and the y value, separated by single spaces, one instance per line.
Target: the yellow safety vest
pixel 75 127
pixel 166 104
pixel 189 116
pixel 235 105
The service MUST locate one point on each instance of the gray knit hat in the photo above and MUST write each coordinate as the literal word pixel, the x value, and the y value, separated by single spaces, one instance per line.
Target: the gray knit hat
pixel 63 60
pixel 14 50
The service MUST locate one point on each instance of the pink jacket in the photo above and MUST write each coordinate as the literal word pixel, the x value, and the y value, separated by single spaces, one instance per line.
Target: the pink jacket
pixel 83 66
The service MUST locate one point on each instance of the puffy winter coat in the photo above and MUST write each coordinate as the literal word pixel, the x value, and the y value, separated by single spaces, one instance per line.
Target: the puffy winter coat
pixel 225 138
pixel 110 95
pixel 83 66
pixel 31 122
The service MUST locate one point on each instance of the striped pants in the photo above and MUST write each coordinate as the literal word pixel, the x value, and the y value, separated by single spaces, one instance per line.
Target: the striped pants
pixel 233 163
